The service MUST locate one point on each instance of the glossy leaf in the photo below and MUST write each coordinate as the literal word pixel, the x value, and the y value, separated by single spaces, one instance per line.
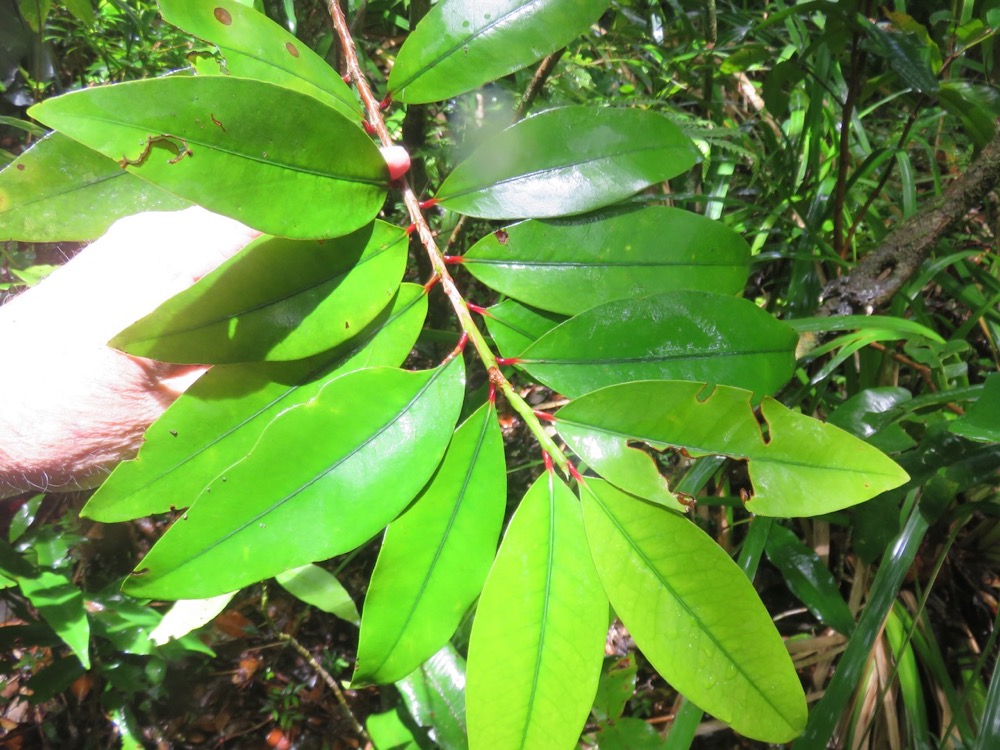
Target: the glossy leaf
pixel 570 265
pixel 239 147
pixel 276 300
pixel 803 468
pixel 60 190
pixel 321 466
pixel 538 637
pixel 514 327
pixel 319 588
pixel 461 44
pixel 677 591
pixel 60 604
pixel 435 696
pixel 982 419
pixel 435 557
pixel 187 615
pixel 699 336
pixel 254 46
pixel 567 161
pixel 219 419
pixel 809 579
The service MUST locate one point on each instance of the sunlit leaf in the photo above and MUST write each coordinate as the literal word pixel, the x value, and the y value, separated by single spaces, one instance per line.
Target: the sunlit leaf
pixel 276 300
pixel 694 614
pixel 538 637
pixel 570 265
pixel 319 588
pixel 700 336
pixel 220 418
pixel 803 468
pixel 461 44
pixel 61 190
pixel 254 46
pixel 187 615
pixel 567 161
pixel 247 149
pixel 435 557
pixel 341 465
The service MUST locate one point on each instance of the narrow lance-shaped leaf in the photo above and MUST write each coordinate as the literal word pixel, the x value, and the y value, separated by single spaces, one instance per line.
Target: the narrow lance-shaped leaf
pixel 61 190
pixel 803 468
pixel 808 578
pixel 435 696
pixel 435 557
pixel 341 466
pixel 693 613
pixel 461 44
pixel 254 46
pixel 982 420
pixel 319 588
pixel 247 149
pixel 710 338
pixel 276 300
pixel 219 419
pixel 567 161
pixel 60 604
pixel 538 637
pixel 570 265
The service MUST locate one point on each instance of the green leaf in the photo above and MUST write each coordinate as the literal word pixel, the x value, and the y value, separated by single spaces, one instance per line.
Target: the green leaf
pixel 907 54
pixel 700 336
pixel 629 734
pixel 570 265
pixel 256 47
pixel 462 44
pixel 435 696
pixel 188 615
pixel 694 614
pixel 435 557
pixel 391 731
pixel 808 578
pixel 567 161
pixel 514 327
pixel 82 9
pixel 60 190
pixel 328 474
pixel 982 420
pixel 243 148
pixel 276 300
pixel 616 687
pixel 35 13
pixel 538 637
pixel 803 468
pixel 319 588
pixel 60 604
pixel 220 418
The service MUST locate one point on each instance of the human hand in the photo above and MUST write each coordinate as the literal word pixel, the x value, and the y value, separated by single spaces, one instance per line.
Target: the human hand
pixel 70 406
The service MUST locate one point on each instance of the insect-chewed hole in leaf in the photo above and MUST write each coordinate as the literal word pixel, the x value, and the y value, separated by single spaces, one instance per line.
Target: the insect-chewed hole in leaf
pixel 223 16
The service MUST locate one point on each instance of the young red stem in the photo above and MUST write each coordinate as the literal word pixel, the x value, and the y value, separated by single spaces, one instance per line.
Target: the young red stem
pixel 479 310
pixel 434 254
pixel 548 460
pixel 544 416
pixel 575 474
pixel 506 361
pixel 454 260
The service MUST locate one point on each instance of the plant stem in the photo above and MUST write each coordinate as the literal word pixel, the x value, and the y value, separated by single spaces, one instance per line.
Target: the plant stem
pixel 423 230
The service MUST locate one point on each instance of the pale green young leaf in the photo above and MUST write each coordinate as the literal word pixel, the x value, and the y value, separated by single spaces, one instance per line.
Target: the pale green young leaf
pixel 319 588
pixel 693 613
pixel 538 637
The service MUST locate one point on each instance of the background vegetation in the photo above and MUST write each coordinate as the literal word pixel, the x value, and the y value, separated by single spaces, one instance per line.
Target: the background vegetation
pixel 823 129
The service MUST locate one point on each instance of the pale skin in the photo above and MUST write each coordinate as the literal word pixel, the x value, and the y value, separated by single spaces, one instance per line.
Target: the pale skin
pixel 71 408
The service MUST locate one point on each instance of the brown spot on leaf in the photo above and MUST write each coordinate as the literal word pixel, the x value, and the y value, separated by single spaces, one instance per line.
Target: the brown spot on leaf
pixel 502 236
pixel 20 167
pixel 223 16
pixel 292 49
